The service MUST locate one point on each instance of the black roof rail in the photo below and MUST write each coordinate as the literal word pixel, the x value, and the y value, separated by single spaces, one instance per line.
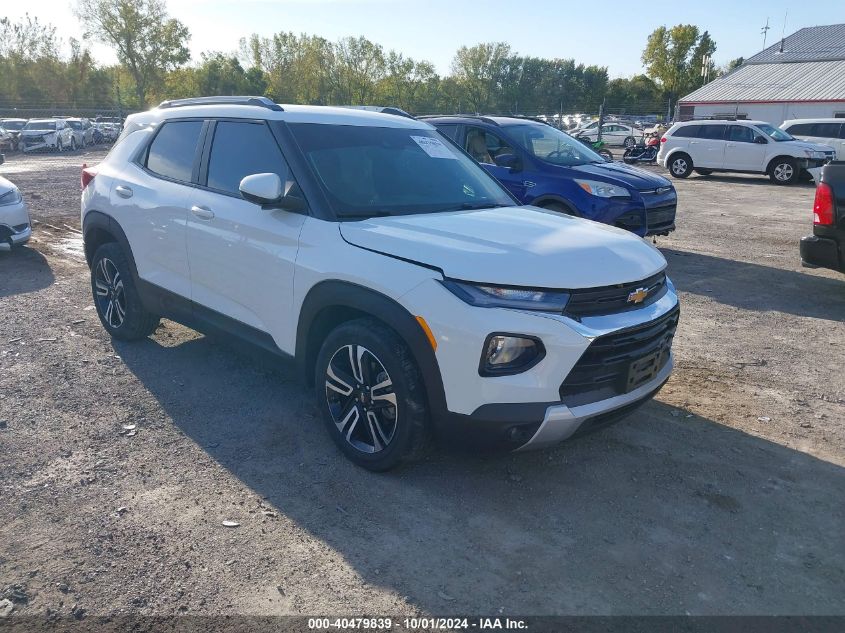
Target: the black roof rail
pixel 480 117
pixel 262 102
pixel 383 109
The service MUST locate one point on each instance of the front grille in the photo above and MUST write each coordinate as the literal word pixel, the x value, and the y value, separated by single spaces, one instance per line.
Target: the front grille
pixel 661 217
pixel 612 299
pixel 605 368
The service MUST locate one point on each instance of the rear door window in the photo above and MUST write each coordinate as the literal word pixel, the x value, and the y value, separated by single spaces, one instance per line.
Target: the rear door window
pixel 240 149
pixel 174 149
pixel 712 132
pixel 449 130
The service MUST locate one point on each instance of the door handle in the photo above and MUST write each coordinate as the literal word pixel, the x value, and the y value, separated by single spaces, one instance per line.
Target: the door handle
pixel 203 213
pixel 123 191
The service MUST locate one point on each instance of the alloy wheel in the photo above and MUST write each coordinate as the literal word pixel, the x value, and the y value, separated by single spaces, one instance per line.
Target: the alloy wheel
pixel 679 166
pixel 111 298
pixel 361 398
pixel 784 172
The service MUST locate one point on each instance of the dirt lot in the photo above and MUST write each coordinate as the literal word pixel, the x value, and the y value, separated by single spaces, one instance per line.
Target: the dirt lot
pixel 726 495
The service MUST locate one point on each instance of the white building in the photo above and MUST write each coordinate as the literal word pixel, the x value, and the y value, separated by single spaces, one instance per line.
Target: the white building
pixel 799 77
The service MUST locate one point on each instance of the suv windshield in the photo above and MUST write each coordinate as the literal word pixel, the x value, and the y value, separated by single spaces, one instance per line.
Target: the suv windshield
pixel 776 133
pixel 551 145
pixel 76 125
pixel 40 125
pixel 367 171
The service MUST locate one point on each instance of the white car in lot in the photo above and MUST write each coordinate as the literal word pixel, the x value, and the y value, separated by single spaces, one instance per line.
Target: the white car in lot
pixel 753 147
pixel 825 131
pixel 15 227
pixel 47 134
pixel 83 132
pixel 613 134
pixel 410 288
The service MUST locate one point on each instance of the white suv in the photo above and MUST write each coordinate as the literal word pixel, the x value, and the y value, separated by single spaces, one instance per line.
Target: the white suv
pixel 411 289
pixel 739 146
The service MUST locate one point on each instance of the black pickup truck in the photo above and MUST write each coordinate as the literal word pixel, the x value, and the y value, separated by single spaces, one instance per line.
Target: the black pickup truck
pixel 825 248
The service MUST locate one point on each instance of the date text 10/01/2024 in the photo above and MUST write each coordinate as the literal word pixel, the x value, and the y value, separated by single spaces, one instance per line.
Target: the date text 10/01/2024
pixel 417 624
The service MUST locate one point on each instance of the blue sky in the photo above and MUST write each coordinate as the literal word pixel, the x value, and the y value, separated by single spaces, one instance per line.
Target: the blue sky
pixel 608 33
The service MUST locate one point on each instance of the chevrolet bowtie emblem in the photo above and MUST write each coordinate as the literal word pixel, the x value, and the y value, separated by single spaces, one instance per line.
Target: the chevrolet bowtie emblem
pixel 638 296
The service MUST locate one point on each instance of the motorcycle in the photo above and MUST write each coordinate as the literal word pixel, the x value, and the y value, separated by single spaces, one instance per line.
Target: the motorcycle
pixel 597 146
pixel 643 152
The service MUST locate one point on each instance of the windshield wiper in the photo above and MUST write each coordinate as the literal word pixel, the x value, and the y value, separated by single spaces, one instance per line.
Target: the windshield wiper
pixel 375 213
pixel 475 206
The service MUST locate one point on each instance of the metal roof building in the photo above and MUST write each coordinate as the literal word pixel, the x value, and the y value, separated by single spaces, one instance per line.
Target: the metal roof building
pixel 801 76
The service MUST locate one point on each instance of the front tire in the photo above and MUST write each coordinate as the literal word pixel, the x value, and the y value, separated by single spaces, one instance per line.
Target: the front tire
pixel 73 144
pixel 371 396
pixel 784 171
pixel 59 146
pixel 116 296
pixel 704 172
pixel 680 165
pixel 606 154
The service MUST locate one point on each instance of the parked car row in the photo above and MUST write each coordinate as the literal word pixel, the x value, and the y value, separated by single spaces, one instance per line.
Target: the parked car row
pixel 56 133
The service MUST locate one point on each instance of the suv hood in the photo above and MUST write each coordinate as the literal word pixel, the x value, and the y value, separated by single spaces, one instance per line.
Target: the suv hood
pixel 512 246
pixel 625 175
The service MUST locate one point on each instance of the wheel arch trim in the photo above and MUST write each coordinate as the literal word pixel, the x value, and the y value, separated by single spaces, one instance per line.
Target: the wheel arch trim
pixel 336 294
pixel 97 220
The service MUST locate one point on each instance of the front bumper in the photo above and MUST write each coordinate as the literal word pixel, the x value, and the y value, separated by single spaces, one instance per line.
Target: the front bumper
pixel 561 422
pixel 15 228
pixel 544 404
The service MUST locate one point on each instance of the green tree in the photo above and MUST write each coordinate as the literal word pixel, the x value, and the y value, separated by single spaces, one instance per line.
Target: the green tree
pixel 148 42
pixel 479 70
pixel 734 64
pixel 670 57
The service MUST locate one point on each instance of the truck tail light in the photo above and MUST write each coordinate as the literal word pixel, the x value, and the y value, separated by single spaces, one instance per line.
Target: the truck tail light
pixel 88 174
pixel 823 205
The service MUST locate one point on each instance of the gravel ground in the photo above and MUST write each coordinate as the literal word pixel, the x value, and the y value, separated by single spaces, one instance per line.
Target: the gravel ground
pixel 119 463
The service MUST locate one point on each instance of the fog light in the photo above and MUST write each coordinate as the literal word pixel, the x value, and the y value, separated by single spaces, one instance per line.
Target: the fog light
pixel 510 354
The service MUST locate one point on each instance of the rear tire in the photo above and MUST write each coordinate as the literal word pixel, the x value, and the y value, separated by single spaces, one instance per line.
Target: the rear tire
pixel 116 296
pixel 784 171
pixel 606 154
pixel 680 165
pixel 371 395
pixel 629 142
pixel 73 144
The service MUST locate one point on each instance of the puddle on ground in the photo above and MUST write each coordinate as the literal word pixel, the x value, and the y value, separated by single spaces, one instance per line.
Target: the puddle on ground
pixel 69 246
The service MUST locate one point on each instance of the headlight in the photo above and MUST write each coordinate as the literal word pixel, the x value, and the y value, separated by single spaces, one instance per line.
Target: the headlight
pixel 510 354
pixel 603 189
pixel 10 197
pixel 500 297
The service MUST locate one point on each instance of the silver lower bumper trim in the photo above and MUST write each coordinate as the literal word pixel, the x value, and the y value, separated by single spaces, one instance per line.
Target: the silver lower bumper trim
pixel 561 422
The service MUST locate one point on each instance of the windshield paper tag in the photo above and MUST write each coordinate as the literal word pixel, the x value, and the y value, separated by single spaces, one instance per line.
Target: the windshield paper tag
pixel 433 147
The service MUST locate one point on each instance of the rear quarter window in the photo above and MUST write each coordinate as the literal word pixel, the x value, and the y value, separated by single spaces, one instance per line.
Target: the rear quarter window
pixel 687 131
pixel 173 150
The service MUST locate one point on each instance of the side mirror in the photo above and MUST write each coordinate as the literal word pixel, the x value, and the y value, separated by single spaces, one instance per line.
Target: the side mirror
pixel 510 161
pixel 266 190
pixel 760 140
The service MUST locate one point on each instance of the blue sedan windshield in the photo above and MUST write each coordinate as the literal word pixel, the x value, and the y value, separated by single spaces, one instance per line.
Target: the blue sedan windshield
pixel 551 145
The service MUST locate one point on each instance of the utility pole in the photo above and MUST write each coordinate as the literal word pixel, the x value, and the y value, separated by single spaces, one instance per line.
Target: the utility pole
pixel 765 32
pixel 705 69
